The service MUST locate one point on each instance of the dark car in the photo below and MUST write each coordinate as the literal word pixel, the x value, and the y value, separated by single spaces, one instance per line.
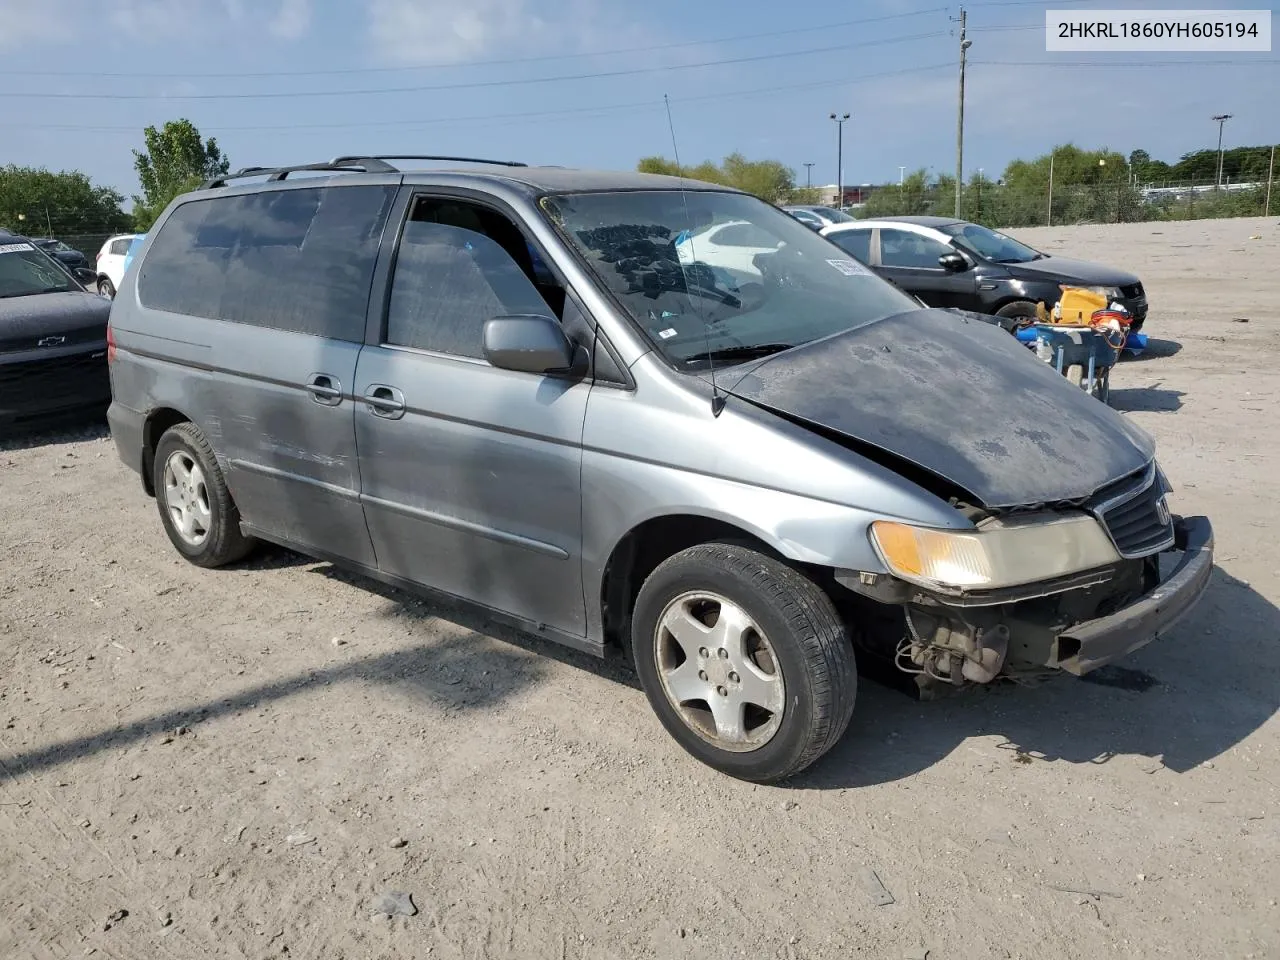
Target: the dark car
pixel 68 256
pixel 952 263
pixel 53 339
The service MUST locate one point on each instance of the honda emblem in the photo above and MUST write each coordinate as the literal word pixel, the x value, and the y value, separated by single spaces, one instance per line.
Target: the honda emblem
pixel 1162 512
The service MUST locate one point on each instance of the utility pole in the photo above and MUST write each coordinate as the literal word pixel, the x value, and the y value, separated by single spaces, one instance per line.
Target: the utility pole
pixel 964 47
pixel 840 119
pixel 808 176
pixel 1271 175
pixel 1220 119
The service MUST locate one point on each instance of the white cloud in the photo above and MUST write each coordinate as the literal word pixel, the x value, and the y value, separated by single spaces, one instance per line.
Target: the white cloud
pixel 292 19
pixel 158 20
pixel 444 31
pixel 22 22
pixel 450 32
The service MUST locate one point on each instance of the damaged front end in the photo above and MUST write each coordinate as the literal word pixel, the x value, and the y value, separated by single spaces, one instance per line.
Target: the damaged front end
pixel 1089 587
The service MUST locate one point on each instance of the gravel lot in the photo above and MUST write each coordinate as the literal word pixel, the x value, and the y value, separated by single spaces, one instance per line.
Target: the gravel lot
pixel 235 757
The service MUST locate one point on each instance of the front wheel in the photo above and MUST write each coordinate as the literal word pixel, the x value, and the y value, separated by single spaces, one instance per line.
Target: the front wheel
pixel 744 660
pixel 1017 315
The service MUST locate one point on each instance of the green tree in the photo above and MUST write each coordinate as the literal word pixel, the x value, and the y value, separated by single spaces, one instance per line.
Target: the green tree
pixel 176 160
pixel 67 203
pixel 768 179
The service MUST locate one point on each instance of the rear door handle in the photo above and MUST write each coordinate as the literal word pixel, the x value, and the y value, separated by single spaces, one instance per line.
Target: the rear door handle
pixel 385 401
pixel 324 389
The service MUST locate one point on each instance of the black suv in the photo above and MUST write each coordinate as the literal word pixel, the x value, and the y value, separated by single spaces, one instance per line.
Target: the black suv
pixel 953 263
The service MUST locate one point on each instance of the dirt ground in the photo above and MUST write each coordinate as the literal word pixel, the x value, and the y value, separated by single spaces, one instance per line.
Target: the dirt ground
pixel 243 760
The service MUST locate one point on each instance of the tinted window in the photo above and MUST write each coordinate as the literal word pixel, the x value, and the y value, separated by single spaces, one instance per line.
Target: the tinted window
pixel 448 281
pixel 900 248
pixel 119 247
pixel 298 260
pixel 992 245
pixel 856 243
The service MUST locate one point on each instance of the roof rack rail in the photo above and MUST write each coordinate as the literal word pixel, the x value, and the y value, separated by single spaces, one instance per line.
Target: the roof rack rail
pixel 349 164
pixel 381 157
pixel 352 164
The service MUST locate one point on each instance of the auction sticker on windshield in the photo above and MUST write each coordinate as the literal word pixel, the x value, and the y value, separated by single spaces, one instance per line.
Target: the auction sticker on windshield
pixel 15 247
pixel 850 268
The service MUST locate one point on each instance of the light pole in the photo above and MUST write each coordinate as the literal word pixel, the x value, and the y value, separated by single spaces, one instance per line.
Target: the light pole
pixel 965 44
pixel 902 174
pixel 808 176
pixel 1220 119
pixel 840 119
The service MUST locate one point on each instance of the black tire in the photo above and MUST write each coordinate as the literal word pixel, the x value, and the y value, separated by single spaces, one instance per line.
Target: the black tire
pixel 223 542
pixel 1020 313
pixel 106 287
pixel 810 649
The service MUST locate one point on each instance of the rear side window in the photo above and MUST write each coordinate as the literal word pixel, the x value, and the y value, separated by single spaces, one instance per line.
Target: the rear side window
pixel 298 260
pixel 856 243
pixel 119 247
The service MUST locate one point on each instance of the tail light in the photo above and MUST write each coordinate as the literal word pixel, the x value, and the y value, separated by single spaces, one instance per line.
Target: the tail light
pixel 111 344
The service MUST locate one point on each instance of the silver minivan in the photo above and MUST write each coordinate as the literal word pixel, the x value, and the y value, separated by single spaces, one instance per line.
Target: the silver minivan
pixel 536 391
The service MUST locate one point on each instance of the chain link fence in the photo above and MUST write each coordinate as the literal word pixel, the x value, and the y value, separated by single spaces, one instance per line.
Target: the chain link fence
pixel 998 205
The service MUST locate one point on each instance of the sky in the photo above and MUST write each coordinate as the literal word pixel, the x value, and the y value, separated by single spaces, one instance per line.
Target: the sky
pixel 582 83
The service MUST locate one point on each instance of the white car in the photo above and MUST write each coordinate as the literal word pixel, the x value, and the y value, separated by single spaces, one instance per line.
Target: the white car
pixel 731 247
pixel 111 262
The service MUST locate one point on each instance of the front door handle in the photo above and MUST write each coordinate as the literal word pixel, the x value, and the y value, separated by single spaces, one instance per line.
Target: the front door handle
pixel 385 401
pixel 324 389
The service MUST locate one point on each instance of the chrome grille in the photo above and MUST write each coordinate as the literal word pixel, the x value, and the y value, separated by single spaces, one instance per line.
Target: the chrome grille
pixel 1136 517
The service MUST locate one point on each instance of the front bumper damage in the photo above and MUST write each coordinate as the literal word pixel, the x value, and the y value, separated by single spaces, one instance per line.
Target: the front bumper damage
pixel 1073 625
pixel 1095 643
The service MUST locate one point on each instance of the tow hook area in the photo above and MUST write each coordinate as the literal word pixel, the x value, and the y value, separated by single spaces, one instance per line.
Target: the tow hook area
pixel 951 651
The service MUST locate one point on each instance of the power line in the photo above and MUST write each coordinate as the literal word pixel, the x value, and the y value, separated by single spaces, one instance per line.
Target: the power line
pixel 353 71
pixel 469 85
pixel 571 111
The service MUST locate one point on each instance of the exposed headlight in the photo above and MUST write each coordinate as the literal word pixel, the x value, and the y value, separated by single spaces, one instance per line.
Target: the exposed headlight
pixel 1111 293
pixel 999 554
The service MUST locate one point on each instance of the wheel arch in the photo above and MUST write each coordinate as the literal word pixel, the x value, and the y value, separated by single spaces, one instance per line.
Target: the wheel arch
pixel 153 428
pixel 648 543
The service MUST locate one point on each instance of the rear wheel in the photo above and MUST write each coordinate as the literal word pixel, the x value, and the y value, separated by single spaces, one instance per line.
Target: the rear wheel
pixel 744 660
pixel 106 288
pixel 195 506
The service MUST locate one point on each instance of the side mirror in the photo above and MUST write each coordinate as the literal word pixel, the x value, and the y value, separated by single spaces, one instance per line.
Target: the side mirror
pixel 528 343
pixel 953 262
pixel 85 275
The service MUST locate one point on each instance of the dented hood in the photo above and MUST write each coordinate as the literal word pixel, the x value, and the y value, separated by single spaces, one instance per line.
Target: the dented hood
pixel 960 399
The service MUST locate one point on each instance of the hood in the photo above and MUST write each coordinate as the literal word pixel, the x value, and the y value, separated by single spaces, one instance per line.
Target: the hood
pixel 77 315
pixel 1075 271
pixel 962 400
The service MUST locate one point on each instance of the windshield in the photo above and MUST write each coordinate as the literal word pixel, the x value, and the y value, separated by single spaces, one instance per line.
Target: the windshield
pixel 837 216
pixel 24 270
pixel 720 277
pixel 991 245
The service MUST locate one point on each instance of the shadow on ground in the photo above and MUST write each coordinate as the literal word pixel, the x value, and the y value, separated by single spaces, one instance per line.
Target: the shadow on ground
pixel 65 430
pixel 1156 349
pixel 1185 698
pixel 1145 400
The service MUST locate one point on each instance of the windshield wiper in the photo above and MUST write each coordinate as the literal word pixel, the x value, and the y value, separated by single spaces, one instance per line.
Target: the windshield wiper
pixel 741 353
